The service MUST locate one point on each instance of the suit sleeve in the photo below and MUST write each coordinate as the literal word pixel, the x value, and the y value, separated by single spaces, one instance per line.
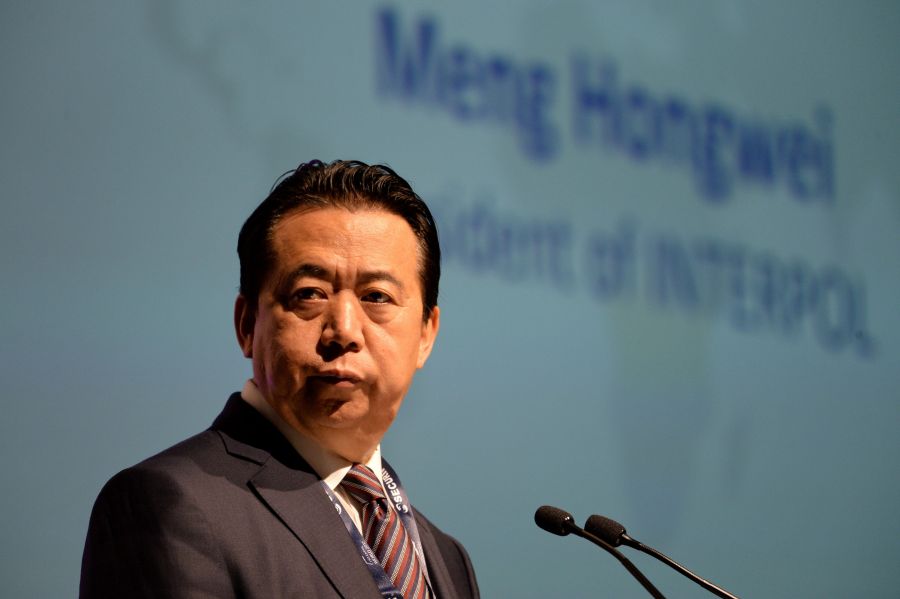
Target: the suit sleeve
pixel 147 538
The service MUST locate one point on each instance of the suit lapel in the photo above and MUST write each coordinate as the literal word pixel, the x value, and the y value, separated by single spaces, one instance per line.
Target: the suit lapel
pixel 302 506
pixel 290 488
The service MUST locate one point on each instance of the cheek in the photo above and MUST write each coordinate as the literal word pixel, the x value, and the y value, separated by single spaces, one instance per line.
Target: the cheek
pixel 398 358
pixel 287 353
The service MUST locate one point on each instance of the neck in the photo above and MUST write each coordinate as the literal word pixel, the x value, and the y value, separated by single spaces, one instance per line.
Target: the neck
pixel 349 445
pixel 349 449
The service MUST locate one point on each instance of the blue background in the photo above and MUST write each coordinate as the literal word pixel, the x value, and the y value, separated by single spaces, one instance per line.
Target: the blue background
pixel 589 356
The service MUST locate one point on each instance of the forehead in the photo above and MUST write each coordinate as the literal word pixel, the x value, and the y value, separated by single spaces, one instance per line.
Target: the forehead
pixel 342 238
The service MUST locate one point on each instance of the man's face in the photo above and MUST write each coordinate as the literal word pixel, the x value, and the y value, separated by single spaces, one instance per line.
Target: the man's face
pixel 338 331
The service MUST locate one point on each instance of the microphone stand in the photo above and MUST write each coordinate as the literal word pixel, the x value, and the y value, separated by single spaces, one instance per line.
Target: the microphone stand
pixel 639 576
pixel 676 566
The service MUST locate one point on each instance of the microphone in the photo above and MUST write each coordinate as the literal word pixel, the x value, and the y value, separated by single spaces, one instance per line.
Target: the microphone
pixel 554 520
pixel 614 533
pixel 560 522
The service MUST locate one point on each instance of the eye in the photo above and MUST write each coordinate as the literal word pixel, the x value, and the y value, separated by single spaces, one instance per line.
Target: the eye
pixel 376 297
pixel 305 294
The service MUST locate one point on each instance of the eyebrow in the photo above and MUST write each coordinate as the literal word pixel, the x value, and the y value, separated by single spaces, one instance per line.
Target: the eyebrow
pixel 379 275
pixel 305 270
pixel 318 272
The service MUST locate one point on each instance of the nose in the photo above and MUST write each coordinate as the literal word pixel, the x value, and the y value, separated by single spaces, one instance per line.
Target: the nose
pixel 342 329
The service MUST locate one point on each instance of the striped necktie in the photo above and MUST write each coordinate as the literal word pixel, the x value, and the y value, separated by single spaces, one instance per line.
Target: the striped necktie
pixel 385 533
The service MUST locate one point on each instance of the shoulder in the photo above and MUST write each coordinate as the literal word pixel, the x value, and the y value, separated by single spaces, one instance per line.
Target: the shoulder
pixel 148 493
pixel 160 524
pixel 189 472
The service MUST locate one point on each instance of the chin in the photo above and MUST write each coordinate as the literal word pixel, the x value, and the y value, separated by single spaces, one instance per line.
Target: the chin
pixel 342 413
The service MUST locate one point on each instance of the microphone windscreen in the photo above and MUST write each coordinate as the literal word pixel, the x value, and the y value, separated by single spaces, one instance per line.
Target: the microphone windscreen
pixel 554 520
pixel 608 530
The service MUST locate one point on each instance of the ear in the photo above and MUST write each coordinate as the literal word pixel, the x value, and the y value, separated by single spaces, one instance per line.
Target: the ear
pixel 429 334
pixel 244 323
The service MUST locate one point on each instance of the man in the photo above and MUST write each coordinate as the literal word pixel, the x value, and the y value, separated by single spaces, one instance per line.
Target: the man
pixel 286 495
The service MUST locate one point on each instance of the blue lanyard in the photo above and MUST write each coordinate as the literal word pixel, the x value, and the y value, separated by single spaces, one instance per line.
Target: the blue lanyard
pixel 400 503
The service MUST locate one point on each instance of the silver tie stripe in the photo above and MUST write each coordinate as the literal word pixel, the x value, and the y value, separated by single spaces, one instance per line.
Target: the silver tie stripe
pixel 385 533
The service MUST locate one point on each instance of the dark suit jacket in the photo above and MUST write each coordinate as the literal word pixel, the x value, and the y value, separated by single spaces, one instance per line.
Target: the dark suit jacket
pixel 236 512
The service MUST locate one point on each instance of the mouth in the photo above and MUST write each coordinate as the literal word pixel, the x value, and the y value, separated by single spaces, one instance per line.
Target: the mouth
pixel 336 378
